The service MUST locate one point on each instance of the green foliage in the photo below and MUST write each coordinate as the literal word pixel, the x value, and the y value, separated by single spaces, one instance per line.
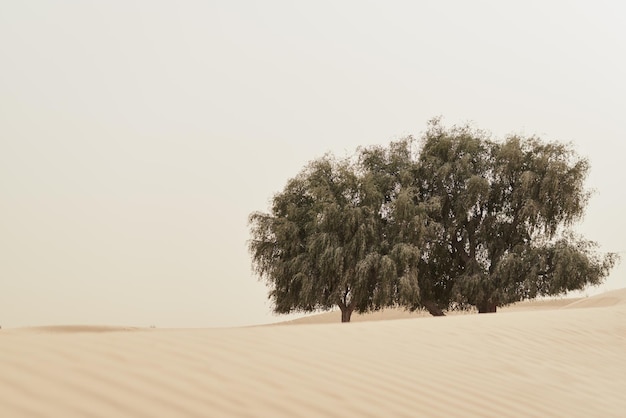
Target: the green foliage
pixel 505 211
pixel 463 220
pixel 326 241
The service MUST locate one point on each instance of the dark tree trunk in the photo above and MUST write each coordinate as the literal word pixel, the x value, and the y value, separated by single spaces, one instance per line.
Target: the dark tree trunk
pixel 432 308
pixel 487 307
pixel 346 314
pixel 346 308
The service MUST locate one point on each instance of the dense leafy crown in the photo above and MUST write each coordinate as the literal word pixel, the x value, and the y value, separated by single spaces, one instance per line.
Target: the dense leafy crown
pixel 327 240
pixel 463 221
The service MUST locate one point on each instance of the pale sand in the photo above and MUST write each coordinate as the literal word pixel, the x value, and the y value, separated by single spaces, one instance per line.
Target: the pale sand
pixel 398 313
pixel 550 361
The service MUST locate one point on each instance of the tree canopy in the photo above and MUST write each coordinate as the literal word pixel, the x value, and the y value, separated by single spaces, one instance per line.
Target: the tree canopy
pixel 453 220
pixel 326 241
pixel 505 210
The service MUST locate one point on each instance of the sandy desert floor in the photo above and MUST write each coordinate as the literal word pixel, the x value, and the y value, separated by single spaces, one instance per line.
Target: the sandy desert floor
pixel 560 359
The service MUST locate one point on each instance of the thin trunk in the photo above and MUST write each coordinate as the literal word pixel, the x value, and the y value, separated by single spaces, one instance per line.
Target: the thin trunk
pixel 432 308
pixel 346 311
pixel 487 307
pixel 346 314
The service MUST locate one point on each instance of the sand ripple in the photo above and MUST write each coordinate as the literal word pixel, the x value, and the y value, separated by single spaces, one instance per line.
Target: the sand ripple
pixel 560 362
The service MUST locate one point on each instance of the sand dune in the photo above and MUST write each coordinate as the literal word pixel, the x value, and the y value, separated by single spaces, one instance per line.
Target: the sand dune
pixel 399 313
pixel 616 297
pixel 77 328
pixel 534 363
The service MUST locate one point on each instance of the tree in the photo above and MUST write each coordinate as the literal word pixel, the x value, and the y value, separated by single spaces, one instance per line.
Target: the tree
pixel 459 221
pixel 408 230
pixel 325 242
pixel 505 210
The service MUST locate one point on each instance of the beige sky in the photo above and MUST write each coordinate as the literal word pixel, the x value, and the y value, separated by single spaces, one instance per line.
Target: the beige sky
pixel 137 136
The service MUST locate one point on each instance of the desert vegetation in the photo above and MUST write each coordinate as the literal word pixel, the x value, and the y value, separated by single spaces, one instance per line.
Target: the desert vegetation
pixel 452 219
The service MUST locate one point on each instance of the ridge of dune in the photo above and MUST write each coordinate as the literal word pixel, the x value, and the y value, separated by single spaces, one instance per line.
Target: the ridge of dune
pixel 64 329
pixel 400 313
pixel 610 298
pixel 536 363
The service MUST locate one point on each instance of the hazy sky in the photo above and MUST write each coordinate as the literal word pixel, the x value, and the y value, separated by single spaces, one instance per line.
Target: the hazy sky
pixel 137 136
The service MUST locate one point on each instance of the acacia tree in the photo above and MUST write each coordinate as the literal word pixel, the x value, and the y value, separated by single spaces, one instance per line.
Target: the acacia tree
pixel 504 212
pixel 325 242
pixel 460 221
